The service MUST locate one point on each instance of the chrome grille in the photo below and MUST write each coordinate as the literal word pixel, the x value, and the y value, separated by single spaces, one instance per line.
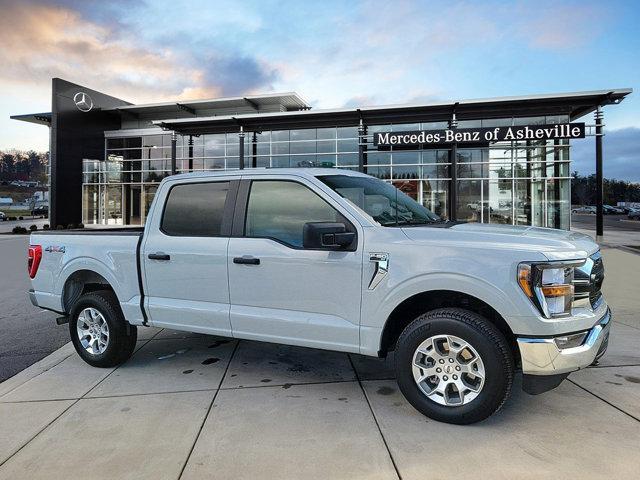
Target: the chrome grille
pixel 597 277
pixel 587 282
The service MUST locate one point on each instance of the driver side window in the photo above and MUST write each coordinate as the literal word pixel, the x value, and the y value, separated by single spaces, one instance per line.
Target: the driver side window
pixel 278 209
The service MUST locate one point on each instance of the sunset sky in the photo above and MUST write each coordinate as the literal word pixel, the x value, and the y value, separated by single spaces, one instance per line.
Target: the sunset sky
pixel 333 53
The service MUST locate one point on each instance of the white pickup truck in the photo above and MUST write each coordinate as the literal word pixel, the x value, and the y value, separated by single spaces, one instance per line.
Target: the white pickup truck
pixel 342 261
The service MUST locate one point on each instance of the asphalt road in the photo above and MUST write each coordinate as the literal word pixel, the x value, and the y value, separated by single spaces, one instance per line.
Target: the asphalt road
pixel 611 222
pixel 27 333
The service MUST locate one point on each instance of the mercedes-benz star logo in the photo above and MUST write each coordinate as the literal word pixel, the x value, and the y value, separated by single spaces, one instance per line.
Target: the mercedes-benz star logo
pixel 83 101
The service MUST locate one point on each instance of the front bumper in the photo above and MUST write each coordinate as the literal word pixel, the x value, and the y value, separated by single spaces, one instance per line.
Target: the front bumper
pixel 542 356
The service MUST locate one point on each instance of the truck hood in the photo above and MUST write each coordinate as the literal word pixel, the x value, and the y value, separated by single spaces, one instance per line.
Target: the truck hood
pixel 552 243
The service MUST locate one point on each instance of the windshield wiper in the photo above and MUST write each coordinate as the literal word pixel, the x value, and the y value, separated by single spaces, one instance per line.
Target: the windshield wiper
pixel 415 223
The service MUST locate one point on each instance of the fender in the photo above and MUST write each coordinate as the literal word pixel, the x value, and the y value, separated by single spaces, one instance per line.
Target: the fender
pixel 91 264
pixel 458 282
pixel 375 319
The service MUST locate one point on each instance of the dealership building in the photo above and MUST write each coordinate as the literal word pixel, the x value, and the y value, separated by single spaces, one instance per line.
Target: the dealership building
pixel 500 160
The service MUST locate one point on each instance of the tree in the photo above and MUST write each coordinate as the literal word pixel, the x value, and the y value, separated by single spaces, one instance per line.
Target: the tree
pixel 583 190
pixel 7 166
pixel 29 165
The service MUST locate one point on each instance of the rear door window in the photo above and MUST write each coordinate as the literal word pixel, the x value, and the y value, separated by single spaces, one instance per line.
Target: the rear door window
pixel 195 209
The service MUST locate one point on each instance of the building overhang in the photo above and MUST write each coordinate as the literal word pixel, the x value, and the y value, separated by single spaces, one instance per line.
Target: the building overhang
pixel 278 101
pixel 37 118
pixel 575 105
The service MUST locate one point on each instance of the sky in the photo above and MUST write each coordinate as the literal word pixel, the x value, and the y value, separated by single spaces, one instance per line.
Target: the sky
pixel 332 53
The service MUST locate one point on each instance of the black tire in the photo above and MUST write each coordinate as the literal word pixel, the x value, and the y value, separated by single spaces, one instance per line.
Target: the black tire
pixel 484 337
pixel 122 336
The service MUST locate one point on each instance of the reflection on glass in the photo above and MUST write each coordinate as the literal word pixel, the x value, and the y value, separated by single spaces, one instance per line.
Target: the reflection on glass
pixel 434 196
pixel 522 182
pixel 90 204
pixel 558 203
pixel 497 202
pixel 387 205
pixel 469 200
pixel 113 205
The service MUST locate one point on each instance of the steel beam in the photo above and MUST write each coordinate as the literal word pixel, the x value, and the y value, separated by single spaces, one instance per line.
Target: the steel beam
pixel 362 147
pixel 599 176
pixel 174 143
pixel 185 108
pixel 241 148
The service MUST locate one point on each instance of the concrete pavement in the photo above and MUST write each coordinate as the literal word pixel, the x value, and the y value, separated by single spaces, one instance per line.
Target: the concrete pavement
pixel 194 406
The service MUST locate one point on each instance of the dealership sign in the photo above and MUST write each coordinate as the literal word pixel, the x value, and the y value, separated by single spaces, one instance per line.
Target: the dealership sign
pixel 479 135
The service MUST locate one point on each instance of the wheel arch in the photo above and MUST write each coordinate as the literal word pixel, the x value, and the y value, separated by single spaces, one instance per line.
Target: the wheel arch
pixel 419 303
pixel 82 281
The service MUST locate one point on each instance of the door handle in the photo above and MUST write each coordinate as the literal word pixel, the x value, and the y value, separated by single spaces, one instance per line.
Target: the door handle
pixel 246 260
pixel 159 256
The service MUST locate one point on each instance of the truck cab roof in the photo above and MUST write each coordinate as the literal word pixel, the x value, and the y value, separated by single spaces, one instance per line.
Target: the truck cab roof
pixel 256 172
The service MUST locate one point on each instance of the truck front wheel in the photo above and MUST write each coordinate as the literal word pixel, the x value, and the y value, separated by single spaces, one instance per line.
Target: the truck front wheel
pixel 99 332
pixel 454 366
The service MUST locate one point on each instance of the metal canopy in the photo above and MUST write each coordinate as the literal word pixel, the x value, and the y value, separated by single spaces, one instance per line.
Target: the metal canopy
pixel 284 101
pixel 576 105
pixel 38 118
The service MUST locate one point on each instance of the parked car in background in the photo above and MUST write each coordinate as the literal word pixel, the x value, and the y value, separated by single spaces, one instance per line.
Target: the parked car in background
pixel 42 210
pixel 611 210
pixel 3 217
pixel 634 214
pixel 586 209
pixel 342 261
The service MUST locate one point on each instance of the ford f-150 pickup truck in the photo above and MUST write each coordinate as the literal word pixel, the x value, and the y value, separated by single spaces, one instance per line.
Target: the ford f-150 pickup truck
pixel 337 260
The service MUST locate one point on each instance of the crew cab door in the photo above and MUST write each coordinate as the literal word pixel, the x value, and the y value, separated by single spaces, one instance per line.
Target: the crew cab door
pixel 185 256
pixel 281 292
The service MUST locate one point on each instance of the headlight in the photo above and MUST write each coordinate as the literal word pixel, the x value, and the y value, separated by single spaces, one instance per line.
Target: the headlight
pixel 549 286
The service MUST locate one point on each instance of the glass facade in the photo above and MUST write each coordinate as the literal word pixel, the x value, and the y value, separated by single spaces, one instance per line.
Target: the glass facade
pixel 521 183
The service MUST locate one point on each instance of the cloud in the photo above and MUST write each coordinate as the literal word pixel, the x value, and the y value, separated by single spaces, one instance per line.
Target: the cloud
pixel 621 155
pixel 41 41
pixel 236 75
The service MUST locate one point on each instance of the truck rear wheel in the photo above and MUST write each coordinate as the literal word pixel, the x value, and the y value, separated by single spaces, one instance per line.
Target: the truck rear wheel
pixel 99 332
pixel 454 366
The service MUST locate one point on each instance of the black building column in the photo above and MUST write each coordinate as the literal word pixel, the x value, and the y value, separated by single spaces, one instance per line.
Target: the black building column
pixel 529 206
pixel 241 148
pixel 174 142
pixel 191 153
pixel 254 150
pixel 362 148
pixel 453 160
pixel 556 184
pixel 599 176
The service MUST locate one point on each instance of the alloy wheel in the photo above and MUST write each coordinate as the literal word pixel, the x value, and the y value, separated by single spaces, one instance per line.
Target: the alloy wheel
pixel 93 331
pixel 448 370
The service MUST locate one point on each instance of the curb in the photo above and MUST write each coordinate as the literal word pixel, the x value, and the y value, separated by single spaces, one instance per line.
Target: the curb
pixel 47 363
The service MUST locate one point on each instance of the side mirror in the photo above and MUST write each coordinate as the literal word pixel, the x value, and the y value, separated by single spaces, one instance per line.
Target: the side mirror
pixel 326 235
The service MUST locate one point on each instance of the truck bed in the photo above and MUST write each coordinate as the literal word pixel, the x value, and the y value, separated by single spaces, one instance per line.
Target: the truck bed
pixel 112 253
pixel 134 231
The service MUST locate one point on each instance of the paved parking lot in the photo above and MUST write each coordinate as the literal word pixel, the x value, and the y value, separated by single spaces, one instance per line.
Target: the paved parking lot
pixel 27 333
pixel 611 223
pixel 194 406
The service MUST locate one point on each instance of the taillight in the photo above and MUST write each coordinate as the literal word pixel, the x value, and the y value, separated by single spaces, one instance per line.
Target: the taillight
pixel 35 255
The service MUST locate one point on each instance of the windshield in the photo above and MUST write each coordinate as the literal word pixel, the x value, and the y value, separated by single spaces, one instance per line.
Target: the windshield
pixel 382 201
